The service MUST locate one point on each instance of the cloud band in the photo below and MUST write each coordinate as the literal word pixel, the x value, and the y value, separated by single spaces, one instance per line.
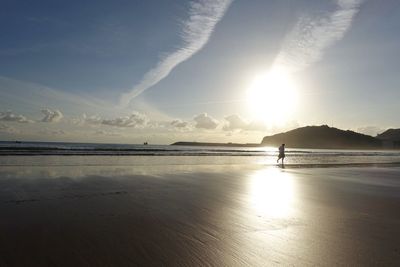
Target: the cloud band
pixel 196 31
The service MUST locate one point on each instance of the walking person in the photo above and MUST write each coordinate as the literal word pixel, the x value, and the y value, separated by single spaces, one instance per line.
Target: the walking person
pixel 281 153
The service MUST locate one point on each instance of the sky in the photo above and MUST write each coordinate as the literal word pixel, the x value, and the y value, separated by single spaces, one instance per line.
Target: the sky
pixel 203 70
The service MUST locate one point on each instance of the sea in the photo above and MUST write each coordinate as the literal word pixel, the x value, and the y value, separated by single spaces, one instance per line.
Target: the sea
pixel 31 153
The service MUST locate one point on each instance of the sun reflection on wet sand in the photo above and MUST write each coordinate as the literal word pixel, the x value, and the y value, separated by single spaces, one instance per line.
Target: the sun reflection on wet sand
pixel 272 193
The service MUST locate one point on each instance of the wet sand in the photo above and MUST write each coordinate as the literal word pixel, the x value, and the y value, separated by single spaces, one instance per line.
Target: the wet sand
pixel 196 215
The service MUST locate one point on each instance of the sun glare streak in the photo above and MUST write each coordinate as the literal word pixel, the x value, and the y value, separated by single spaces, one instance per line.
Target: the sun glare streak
pixel 272 97
pixel 272 193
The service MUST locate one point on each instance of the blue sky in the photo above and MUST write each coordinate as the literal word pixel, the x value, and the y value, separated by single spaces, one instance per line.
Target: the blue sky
pixel 130 71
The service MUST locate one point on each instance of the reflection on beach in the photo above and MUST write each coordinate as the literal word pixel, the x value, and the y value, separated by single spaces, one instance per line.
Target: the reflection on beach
pixel 194 214
pixel 272 192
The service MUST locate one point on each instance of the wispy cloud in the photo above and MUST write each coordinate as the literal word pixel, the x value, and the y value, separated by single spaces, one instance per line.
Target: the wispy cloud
pixel 195 33
pixel 307 42
pixel 85 119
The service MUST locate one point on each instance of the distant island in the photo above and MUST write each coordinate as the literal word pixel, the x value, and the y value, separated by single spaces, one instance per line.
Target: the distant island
pixel 323 137
pixel 390 138
pixel 320 137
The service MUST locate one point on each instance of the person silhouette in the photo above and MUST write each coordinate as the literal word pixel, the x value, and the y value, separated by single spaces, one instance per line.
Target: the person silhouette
pixel 281 153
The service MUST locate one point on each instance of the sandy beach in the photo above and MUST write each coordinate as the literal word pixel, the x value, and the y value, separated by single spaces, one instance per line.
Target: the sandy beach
pixel 198 215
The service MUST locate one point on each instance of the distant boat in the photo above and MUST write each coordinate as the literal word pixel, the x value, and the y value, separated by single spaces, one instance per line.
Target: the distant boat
pixel 145 143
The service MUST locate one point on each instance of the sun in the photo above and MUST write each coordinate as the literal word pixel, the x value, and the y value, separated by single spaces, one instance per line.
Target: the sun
pixel 272 97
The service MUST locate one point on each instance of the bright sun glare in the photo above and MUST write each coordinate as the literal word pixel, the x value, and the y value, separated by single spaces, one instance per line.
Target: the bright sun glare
pixel 272 97
pixel 272 193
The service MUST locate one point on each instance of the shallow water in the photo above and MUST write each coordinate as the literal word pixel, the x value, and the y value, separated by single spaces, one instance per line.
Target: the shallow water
pixel 121 154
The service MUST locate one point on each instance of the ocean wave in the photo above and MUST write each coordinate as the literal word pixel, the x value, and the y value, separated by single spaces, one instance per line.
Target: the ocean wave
pixel 86 149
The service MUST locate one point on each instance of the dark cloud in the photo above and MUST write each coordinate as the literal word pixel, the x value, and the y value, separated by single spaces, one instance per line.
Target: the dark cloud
pixel 136 119
pixel 51 115
pixel 179 123
pixel 9 116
